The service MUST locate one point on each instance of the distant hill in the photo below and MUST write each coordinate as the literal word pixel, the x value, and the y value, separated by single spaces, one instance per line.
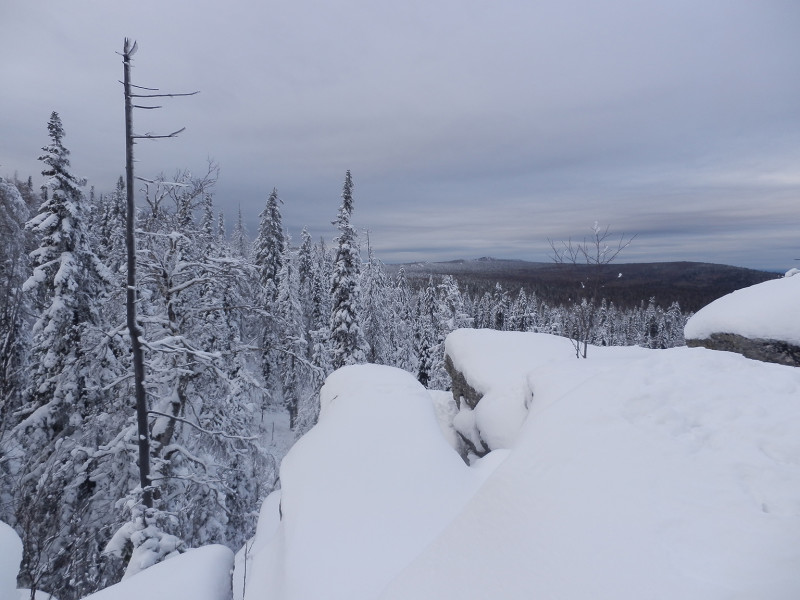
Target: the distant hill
pixel 691 284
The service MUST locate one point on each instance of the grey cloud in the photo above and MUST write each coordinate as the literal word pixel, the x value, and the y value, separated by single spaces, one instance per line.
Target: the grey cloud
pixel 471 128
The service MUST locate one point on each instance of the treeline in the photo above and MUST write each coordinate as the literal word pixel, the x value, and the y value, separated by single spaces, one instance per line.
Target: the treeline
pixel 231 329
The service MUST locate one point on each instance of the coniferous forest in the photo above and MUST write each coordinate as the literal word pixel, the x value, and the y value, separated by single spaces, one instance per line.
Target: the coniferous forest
pixel 236 333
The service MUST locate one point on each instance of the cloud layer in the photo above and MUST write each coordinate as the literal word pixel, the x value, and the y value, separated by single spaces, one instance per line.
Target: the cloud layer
pixel 471 128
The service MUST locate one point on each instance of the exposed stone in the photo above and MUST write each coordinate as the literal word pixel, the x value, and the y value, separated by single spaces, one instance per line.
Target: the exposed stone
pixel 460 387
pixel 774 351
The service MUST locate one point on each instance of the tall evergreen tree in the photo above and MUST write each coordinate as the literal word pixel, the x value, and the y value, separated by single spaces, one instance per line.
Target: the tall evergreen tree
pixel 239 241
pixel 347 338
pixel 268 258
pixel 268 250
pixel 55 437
pixel 13 337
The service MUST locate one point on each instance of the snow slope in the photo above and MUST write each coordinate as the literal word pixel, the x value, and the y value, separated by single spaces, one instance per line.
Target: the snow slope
pixel 769 310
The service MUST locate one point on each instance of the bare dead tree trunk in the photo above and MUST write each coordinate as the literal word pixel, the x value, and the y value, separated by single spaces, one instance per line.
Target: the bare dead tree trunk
pixel 129 49
pixel 133 325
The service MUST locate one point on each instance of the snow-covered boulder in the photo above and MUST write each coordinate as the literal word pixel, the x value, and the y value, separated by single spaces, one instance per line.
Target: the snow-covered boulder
pixel 761 322
pixel 10 557
pixel 198 574
pixel 363 493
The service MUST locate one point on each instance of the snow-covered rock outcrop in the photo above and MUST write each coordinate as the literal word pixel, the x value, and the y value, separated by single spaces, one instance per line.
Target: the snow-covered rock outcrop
pixel 489 371
pixel 761 322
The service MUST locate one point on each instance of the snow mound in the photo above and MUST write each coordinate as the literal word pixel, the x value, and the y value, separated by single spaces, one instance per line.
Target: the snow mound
pixel 363 493
pixel 672 474
pixel 767 311
pixel 10 557
pixel 198 574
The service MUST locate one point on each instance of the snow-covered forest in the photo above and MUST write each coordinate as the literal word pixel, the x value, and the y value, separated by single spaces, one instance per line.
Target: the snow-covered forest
pixel 239 336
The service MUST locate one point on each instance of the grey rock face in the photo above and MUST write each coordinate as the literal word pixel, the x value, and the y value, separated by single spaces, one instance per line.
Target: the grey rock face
pixel 774 351
pixel 461 389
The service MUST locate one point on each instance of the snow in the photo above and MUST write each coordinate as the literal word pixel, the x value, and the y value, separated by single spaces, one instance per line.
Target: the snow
pixel 10 557
pixel 769 310
pixel 363 493
pixel 199 574
pixel 636 474
pixel 672 475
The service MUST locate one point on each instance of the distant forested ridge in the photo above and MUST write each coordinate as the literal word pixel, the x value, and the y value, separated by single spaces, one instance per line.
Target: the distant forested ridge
pixel 691 284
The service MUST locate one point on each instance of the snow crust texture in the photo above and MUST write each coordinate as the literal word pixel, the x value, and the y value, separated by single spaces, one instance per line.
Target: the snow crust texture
pixel 769 311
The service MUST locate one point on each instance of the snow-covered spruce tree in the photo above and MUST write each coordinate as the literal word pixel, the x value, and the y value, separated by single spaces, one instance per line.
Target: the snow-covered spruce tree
pixel 221 227
pixel 239 241
pixel 451 312
pixel 320 308
pixel 110 232
pixel 268 247
pixel 401 326
pixel 424 341
pixel 268 258
pixel 55 438
pixel 300 381
pixel 13 319
pixel 377 306
pixel 347 338
pixel 520 316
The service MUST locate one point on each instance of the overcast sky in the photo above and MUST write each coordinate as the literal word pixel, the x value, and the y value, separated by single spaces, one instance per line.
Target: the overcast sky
pixel 472 128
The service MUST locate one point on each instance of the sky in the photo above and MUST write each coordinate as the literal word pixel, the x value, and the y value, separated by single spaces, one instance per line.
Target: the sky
pixel 471 128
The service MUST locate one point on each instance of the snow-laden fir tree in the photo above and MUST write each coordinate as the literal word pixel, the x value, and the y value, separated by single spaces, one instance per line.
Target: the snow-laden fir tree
pixel 268 247
pixel 239 241
pixel 52 447
pixel 299 380
pixel 401 327
pixel 377 310
pixel 268 259
pixel 110 233
pixel 320 308
pixel 13 319
pixel 346 335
